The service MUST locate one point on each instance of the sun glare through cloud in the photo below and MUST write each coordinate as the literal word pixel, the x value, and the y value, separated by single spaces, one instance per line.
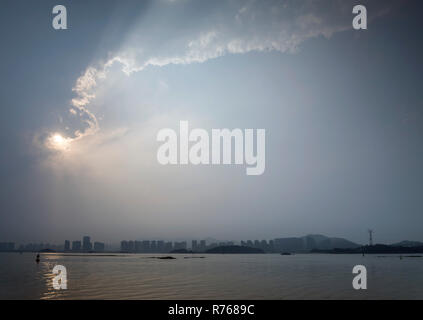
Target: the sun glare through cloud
pixel 57 142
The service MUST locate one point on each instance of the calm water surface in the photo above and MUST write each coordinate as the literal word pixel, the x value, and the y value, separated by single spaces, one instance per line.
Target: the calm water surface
pixel 268 276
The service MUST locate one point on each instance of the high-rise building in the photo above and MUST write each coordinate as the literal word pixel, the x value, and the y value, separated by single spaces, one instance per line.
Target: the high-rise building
pixel 271 246
pixel 124 246
pixel 194 245
pixel 67 245
pixel 202 245
pixel 76 245
pixel 180 245
pixel 86 244
pixel 99 246
pixel 160 246
pixel 168 247
pixel 131 246
pixel 212 245
pixel 146 246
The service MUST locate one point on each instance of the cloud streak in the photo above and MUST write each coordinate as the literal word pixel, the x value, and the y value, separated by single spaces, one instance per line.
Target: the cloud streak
pixel 230 27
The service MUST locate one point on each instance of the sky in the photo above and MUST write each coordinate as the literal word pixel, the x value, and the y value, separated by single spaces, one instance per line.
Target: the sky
pixel 81 108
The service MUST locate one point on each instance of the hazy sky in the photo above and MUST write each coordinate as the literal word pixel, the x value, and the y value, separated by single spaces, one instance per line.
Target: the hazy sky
pixel 342 111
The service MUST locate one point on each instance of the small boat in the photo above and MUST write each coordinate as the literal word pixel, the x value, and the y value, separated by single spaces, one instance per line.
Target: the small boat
pixel 37 259
pixel 285 253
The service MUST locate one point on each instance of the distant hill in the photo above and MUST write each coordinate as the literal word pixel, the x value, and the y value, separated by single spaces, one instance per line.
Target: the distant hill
pixel 375 249
pixel 312 242
pixel 234 249
pixel 408 244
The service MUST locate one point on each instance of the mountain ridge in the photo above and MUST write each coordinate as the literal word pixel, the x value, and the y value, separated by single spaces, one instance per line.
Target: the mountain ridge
pixel 312 242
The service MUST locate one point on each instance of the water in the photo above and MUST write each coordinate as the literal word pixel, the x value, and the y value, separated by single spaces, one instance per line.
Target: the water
pixel 268 276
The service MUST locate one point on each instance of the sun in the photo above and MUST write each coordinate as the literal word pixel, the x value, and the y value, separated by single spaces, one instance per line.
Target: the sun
pixel 57 138
pixel 58 142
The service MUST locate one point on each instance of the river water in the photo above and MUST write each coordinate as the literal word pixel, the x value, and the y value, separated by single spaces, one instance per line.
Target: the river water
pixel 210 276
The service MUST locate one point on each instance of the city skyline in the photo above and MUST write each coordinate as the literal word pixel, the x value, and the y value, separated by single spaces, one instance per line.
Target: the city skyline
pixel 363 238
pixel 162 245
